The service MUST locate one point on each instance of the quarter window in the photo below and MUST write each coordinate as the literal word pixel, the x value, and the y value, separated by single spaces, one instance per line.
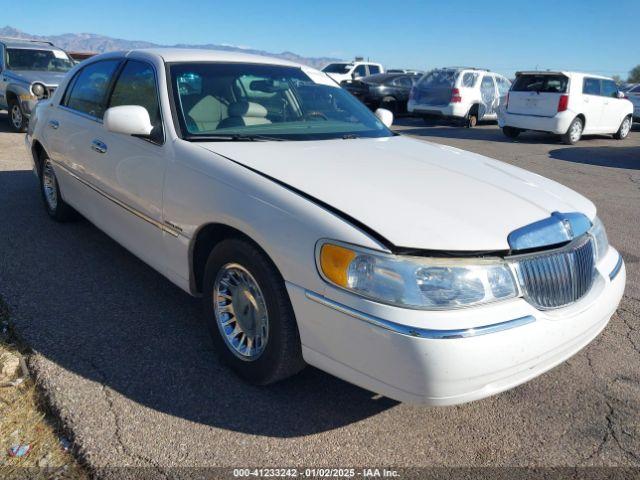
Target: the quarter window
pixel 591 86
pixel 469 79
pixel 374 69
pixel 136 85
pixel 88 93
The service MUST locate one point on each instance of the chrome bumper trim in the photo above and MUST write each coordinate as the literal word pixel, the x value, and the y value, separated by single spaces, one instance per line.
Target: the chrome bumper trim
pixel 616 270
pixel 419 332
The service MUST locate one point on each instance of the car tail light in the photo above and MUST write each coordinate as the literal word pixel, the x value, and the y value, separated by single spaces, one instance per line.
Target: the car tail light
pixel 563 103
pixel 455 96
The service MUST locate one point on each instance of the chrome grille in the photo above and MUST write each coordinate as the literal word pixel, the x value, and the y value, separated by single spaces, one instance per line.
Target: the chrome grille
pixel 559 277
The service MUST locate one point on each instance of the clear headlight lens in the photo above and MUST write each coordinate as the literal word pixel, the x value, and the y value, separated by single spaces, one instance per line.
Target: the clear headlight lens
pixel 38 90
pixel 599 235
pixel 416 282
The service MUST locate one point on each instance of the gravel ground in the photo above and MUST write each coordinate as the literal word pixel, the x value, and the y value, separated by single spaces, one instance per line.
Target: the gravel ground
pixel 124 358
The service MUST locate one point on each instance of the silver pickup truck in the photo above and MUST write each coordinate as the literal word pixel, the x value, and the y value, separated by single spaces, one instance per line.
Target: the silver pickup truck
pixel 29 71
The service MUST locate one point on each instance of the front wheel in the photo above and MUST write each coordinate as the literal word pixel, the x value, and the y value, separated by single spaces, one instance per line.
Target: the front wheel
pixel 574 133
pixel 623 131
pixel 249 314
pixel 17 119
pixel 511 132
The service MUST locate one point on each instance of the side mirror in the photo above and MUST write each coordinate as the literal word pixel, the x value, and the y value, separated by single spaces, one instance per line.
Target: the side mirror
pixel 620 95
pixel 128 120
pixel 385 116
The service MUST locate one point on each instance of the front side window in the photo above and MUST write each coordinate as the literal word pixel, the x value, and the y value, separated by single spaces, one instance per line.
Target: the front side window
pixel 503 86
pixel 38 60
pixel 541 83
pixel 229 101
pixel 591 86
pixel 88 93
pixel 337 68
pixel 609 88
pixel 136 85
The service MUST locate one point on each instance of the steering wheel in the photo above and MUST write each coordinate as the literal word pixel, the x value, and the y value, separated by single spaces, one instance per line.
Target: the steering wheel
pixel 316 114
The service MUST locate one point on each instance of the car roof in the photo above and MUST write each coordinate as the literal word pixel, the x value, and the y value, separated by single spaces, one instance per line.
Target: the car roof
pixel 566 73
pixel 171 55
pixel 25 43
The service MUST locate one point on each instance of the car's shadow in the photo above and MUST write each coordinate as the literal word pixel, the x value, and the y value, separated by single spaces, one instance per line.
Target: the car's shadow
pixel 439 129
pixel 4 121
pixel 83 302
pixel 614 156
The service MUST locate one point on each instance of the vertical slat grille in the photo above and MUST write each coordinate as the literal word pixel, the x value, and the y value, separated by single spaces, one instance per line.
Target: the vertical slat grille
pixel 558 278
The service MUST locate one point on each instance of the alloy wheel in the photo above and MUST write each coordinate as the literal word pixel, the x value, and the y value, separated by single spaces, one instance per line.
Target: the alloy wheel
pixel 576 131
pixel 16 116
pixel 625 128
pixel 49 185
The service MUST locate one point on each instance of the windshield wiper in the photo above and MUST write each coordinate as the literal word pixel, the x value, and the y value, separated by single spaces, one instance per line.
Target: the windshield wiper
pixel 236 137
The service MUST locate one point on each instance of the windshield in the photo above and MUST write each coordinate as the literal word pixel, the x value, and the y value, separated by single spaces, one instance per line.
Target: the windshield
pixel 233 101
pixel 41 60
pixel 337 68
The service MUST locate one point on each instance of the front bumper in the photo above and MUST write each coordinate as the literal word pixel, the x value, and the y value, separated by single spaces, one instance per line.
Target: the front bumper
pixel 558 124
pixel 406 356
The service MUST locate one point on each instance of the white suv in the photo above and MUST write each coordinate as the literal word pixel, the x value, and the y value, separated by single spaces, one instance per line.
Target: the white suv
pixel 467 94
pixel 566 103
pixel 346 71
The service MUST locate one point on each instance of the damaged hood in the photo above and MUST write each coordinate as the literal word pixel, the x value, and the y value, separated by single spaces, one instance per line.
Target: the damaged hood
pixel 415 194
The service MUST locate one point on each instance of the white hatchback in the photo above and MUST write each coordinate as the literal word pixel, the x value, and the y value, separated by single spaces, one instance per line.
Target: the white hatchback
pixel 315 235
pixel 566 103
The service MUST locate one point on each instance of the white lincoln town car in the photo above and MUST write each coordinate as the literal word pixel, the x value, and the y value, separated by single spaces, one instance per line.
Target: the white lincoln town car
pixel 315 235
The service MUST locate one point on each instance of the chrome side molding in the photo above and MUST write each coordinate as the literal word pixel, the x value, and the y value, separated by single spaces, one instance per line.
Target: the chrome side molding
pixel 419 332
pixel 616 270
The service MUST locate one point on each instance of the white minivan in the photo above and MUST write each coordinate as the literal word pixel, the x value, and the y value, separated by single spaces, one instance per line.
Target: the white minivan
pixel 566 103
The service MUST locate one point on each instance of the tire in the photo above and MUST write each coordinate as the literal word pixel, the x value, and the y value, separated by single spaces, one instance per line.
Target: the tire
pixel 625 128
pixel 391 104
pixel 17 119
pixel 54 204
pixel 511 132
pixel 274 355
pixel 472 117
pixel 574 132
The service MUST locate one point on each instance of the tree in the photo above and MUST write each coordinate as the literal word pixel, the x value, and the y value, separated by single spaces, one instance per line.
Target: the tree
pixel 634 75
pixel 617 79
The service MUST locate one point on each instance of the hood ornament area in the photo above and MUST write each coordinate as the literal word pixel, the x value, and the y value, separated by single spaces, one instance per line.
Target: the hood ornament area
pixel 557 229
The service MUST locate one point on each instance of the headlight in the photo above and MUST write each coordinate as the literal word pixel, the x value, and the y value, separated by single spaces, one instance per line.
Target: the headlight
pixel 599 235
pixel 416 282
pixel 38 90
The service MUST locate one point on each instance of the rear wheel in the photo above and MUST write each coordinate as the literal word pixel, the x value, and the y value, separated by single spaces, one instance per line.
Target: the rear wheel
pixel 511 132
pixel 623 131
pixel 17 119
pixel 54 204
pixel 574 133
pixel 472 117
pixel 249 314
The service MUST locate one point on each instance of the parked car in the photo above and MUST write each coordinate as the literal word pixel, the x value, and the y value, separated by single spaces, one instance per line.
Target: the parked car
pixel 625 87
pixel 633 94
pixel 405 70
pixel 315 235
pixel 29 71
pixel 346 71
pixel 466 95
pixel 385 90
pixel 566 103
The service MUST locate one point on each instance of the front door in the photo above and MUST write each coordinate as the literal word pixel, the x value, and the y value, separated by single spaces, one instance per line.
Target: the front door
pixel 592 105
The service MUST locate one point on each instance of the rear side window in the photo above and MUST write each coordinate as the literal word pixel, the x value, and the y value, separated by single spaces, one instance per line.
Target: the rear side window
pixel 591 86
pixel 374 69
pixel 136 85
pixel 609 88
pixel 402 82
pixel 540 83
pixel 360 71
pixel 88 94
pixel 469 80
pixel 503 85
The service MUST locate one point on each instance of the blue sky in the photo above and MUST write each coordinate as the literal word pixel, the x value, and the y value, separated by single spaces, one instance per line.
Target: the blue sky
pixel 505 36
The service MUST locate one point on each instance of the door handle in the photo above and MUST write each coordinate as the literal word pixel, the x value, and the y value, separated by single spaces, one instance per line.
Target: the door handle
pixel 54 124
pixel 99 146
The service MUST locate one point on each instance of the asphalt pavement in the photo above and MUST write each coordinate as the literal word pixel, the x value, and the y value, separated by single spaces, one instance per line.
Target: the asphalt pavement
pixel 124 358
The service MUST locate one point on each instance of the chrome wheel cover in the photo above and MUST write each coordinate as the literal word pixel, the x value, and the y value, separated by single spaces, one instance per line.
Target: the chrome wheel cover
pixel 16 116
pixel 240 312
pixel 576 131
pixel 49 185
pixel 625 128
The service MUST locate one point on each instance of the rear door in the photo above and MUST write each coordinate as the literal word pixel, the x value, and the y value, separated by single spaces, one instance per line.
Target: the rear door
pixel 593 104
pixel 537 94
pixel 489 97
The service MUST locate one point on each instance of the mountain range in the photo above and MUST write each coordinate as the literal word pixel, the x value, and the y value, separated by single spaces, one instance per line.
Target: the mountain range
pixel 91 42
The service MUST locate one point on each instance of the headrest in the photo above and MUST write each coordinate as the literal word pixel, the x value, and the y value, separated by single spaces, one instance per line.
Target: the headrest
pixel 247 109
